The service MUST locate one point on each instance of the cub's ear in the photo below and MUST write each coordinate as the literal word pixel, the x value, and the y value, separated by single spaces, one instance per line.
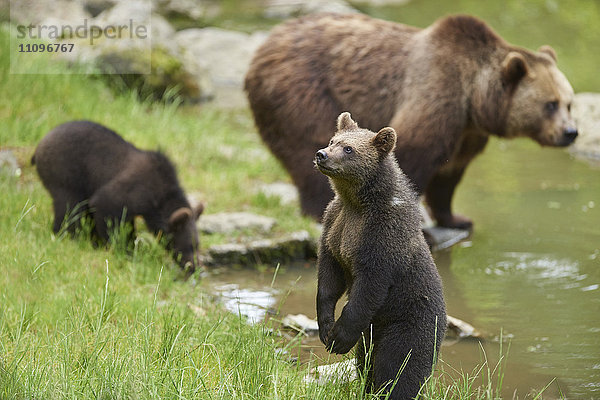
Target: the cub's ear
pixel 198 210
pixel 179 217
pixel 385 140
pixel 514 68
pixel 345 122
pixel 548 50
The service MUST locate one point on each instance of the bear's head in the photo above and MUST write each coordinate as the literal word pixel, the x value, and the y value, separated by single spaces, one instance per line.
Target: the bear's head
pixel 354 154
pixel 183 236
pixel 539 98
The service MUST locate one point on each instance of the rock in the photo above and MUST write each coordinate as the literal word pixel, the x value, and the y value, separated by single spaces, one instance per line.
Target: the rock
pixel 124 39
pixel 9 164
pixel 286 192
pixel 586 112
pixel 440 238
pixel 380 3
pixel 301 323
pixel 219 56
pixel 192 9
pixel 235 221
pixel 225 54
pixel 298 246
pixel 139 13
pixel 58 12
pixel 344 371
pixel 294 8
pixel 95 7
pixel 141 54
pixel 461 330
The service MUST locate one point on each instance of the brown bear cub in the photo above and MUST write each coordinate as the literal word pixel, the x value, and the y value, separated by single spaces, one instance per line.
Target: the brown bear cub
pixel 444 89
pixel 372 247
pixel 88 168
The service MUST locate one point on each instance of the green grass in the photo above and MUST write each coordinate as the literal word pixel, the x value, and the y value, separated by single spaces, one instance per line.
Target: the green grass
pixel 78 322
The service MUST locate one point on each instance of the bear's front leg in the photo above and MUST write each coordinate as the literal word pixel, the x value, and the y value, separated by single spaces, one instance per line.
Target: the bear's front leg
pixel 108 207
pixel 368 294
pixel 331 285
pixel 342 338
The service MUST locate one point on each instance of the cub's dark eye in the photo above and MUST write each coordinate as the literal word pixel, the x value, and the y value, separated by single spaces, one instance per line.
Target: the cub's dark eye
pixel 569 107
pixel 348 150
pixel 551 107
pixel 331 142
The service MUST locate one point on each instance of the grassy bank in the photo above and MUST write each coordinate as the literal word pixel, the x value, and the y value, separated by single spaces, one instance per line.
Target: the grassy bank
pixel 84 323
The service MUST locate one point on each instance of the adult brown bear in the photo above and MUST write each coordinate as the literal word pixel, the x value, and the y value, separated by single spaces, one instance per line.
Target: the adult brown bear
pixel 444 89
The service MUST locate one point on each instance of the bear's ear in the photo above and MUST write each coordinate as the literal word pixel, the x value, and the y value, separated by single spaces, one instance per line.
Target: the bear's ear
pixel 548 50
pixel 514 68
pixel 385 140
pixel 345 122
pixel 179 217
pixel 198 210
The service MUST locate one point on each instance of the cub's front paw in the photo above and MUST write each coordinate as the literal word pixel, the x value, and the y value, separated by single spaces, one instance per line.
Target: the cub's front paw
pixel 341 340
pixel 324 329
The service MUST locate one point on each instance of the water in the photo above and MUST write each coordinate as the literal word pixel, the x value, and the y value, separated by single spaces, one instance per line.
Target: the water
pixel 530 271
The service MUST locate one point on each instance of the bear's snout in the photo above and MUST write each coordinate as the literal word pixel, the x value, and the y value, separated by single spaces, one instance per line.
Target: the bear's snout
pixel 321 155
pixel 569 135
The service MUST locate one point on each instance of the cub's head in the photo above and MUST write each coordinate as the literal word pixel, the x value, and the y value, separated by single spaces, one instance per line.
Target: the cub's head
pixel 540 100
pixel 183 236
pixel 354 154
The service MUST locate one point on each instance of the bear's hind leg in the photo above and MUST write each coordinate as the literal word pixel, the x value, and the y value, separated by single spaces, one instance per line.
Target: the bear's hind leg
pixel 390 354
pixel 439 195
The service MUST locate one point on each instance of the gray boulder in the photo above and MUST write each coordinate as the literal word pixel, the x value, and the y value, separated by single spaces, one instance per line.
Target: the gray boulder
pixel 192 9
pixel 380 3
pixel 286 192
pixel 294 8
pixel 58 12
pixel 235 221
pixel 9 164
pixel 297 246
pixel 219 56
pixel 301 323
pixel 141 14
pixel 95 7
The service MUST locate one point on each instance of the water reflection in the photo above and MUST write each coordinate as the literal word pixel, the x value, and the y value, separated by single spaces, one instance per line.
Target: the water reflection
pixel 252 304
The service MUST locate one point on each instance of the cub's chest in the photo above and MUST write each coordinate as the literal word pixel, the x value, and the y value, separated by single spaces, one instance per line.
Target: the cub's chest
pixel 344 237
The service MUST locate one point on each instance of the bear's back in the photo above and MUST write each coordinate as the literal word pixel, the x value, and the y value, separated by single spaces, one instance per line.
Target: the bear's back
pixel 82 155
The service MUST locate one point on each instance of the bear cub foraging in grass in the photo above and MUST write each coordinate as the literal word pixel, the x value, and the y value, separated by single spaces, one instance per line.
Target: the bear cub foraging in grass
pixel 372 247
pixel 88 168
pixel 444 89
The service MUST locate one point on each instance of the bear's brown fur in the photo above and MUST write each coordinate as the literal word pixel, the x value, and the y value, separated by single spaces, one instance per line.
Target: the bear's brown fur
pixel 444 89
pixel 90 169
pixel 372 247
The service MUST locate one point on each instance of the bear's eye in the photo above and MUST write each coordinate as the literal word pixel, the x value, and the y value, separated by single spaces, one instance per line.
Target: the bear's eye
pixel 569 107
pixel 331 142
pixel 551 107
pixel 348 150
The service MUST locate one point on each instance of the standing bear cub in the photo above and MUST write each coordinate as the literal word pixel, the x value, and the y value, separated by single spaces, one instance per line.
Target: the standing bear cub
pixel 87 168
pixel 444 89
pixel 372 247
